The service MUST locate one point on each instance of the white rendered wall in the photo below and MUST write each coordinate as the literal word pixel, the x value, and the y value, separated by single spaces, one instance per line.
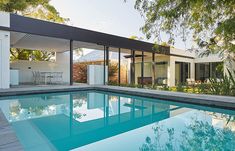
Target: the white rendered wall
pixel 4 19
pixel 4 59
pixel 182 52
pixel 95 75
pixel 210 58
pixel 171 68
pixel 63 62
pixel 171 72
pixel 26 67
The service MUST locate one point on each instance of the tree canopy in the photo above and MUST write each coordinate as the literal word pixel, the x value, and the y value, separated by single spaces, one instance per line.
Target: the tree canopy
pixel 40 9
pixel 210 22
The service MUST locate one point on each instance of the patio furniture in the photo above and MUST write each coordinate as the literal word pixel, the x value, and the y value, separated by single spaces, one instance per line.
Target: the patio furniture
pixel 146 80
pixel 57 77
pixel 51 77
pixel 190 81
pixel 36 77
pixel 207 80
pixel 161 81
pixel 198 82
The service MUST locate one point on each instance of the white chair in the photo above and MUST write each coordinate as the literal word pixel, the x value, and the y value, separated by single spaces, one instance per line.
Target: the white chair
pixel 57 77
pixel 190 81
pixel 34 76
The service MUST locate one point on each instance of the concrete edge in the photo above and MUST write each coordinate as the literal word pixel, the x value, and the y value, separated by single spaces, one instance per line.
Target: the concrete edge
pixel 198 99
pixel 207 100
pixel 48 90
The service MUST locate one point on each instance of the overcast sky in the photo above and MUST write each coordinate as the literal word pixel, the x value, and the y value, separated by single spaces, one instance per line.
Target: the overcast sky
pixel 109 16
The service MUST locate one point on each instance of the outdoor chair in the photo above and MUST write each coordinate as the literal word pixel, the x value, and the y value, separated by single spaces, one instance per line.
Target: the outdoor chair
pixel 36 77
pixel 190 81
pixel 57 77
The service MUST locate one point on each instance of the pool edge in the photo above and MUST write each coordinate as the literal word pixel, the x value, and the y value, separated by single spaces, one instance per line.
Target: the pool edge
pixel 198 99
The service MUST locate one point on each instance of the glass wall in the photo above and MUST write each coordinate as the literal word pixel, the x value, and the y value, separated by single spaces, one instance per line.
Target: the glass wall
pixel 113 66
pixel 138 67
pixel 125 66
pixel 217 69
pixel 204 71
pixel 148 68
pixel 87 57
pixel 161 72
pixel 182 72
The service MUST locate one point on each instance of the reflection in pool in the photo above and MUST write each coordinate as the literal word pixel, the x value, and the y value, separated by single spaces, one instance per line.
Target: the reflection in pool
pixel 105 121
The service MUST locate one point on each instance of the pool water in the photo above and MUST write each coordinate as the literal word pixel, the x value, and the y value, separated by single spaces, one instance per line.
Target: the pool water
pixel 101 121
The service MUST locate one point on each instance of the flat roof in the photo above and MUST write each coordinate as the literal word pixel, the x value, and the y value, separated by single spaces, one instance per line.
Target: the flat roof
pixel 32 26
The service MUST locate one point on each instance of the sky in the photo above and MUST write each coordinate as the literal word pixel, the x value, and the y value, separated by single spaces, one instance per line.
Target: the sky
pixel 109 16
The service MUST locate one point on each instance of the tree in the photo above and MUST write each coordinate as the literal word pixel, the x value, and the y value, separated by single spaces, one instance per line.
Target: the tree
pixel 211 23
pixel 197 135
pixel 40 9
pixel 24 54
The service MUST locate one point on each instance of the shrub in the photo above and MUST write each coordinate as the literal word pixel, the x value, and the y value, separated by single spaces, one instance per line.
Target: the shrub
pixel 180 87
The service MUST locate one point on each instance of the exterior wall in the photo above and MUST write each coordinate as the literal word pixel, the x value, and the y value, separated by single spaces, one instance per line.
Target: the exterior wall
pixel 182 52
pixel 210 58
pixel 4 19
pixel 63 62
pixel 4 51
pixel 4 59
pixel 26 67
pixel 171 67
pixel 148 67
pixel 95 74
pixel 228 65
pixel 171 72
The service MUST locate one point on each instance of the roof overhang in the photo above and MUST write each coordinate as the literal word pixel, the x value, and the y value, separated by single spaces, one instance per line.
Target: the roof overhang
pixel 43 32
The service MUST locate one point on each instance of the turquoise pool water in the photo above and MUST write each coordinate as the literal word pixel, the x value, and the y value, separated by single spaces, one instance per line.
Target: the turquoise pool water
pixel 100 121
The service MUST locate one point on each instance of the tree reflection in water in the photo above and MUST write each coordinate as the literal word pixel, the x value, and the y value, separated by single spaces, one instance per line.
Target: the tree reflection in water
pixel 78 101
pixel 197 136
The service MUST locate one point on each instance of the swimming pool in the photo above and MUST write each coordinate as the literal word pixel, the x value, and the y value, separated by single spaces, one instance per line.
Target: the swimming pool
pixel 100 121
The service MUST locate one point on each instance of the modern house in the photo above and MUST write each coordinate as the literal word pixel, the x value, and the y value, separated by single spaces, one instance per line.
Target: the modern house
pixel 147 63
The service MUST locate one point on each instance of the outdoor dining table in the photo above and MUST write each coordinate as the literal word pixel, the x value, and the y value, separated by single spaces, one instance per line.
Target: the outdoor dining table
pixel 49 75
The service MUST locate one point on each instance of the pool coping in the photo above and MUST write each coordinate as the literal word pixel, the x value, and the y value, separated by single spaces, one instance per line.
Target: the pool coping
pixel 226 102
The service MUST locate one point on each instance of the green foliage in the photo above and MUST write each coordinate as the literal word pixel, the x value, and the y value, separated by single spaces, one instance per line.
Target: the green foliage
pixel 203 88
pixel 180 87
pixel 197 135
pixel 40 9
pixel 226 86
pixel 165 88
pixel 113 69
pixel 210 22
pixel 24 54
